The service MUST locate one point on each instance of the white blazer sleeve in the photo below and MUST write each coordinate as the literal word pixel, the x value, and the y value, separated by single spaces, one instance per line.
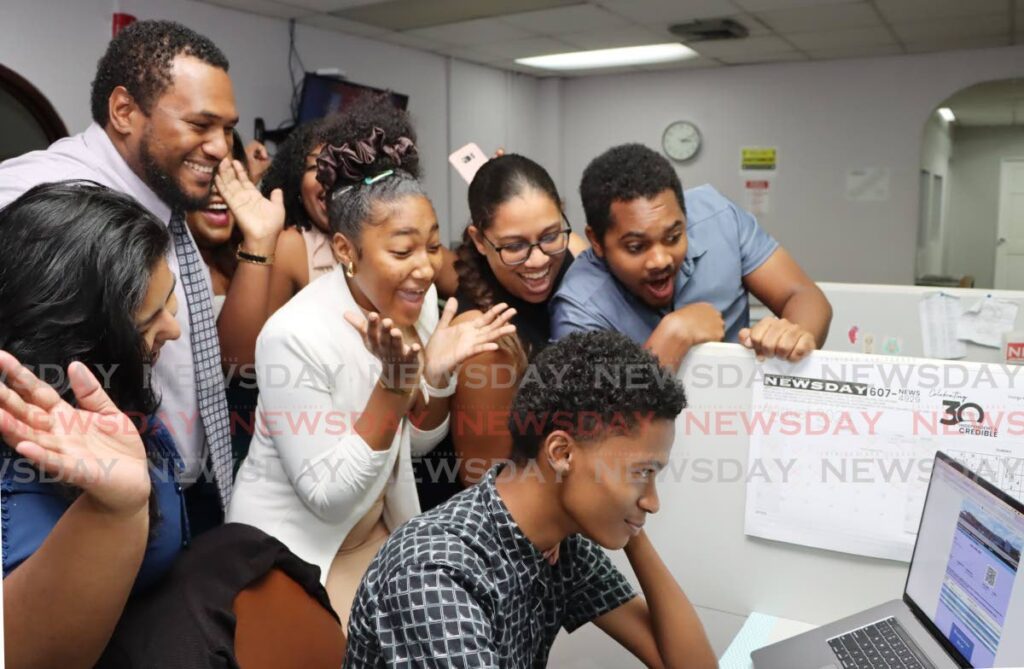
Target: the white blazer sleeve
pixel 331 467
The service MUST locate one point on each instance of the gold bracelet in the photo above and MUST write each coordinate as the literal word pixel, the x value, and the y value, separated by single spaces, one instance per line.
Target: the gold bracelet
pixel 242 256
pixel 396 391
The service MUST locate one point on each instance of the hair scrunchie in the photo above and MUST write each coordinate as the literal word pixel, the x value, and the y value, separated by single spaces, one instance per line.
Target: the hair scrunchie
pixel 350 163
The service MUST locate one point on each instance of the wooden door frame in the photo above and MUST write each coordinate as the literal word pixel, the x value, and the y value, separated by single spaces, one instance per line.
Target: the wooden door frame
pixel 35 102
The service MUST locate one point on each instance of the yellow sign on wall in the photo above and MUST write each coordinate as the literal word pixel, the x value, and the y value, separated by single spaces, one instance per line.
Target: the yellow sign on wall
pixel 758 158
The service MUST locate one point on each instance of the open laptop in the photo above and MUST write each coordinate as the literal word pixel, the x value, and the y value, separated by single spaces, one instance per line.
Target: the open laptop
pixel 963 603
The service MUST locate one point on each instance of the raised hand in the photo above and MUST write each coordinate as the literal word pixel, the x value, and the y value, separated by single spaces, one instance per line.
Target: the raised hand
pixel 451 344
pixel 94 447
pixel 700 322
pixel 260 219
pixel 778 338
pixel 401 362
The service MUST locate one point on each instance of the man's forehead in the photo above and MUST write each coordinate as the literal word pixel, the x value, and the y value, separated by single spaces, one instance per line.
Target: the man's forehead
pixel 646 216
pixel 201 87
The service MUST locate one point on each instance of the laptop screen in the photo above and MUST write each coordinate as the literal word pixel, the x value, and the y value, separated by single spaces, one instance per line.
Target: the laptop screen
pixel 964 574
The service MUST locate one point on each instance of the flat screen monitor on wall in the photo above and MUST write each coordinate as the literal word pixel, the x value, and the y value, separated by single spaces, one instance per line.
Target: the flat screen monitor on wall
pixel 323 95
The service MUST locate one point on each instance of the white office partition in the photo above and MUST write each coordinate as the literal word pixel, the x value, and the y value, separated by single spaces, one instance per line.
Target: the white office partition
pixel 885 320
pixel 699 530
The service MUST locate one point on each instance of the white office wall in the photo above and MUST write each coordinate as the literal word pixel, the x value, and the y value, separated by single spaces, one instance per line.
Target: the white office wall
pixel 936 150
pixel 974 198
pixel 825 118
pixel 516 112
pixel 55 44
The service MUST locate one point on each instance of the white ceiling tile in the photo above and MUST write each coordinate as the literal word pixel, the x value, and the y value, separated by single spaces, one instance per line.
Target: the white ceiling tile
pixel 763 5
pixel 851 51
pixel 953 28
pixel 750 59
pixel 923 10
pixel 754 25
pixel 473 55
pixel 691 64
pixel 574 18
pixel 471 33
pixel 414 41
pixel 328 22
pixel 669 11
pixel 836 39
pixel 263 8
pixel 827 17
pixel 513 66
pixel 618 37
pixel 329 5
pixel 524 48
pixel 741 47
pixel 952 43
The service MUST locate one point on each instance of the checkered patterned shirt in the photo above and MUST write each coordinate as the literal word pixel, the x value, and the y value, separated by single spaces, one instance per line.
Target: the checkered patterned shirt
pixel 462 586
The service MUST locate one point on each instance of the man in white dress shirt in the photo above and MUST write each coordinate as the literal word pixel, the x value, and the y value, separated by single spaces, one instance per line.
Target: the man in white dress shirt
pixel 163 111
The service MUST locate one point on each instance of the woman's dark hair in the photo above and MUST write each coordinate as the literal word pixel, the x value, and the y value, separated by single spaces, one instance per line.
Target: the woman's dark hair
pixel 362 172
pixel 589 384
pixel 75 264
pixel 495 183
pixel 625 173
pixel 288 168
pixel 373 110
pixel 355 122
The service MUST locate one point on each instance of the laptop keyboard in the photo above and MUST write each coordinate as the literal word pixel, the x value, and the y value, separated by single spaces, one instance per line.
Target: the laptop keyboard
pixel 881 645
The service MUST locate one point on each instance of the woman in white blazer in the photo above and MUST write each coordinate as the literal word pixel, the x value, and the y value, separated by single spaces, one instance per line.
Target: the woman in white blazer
pixel 355 373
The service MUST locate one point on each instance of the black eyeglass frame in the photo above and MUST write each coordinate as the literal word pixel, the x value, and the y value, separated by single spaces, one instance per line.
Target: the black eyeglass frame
pixel 529 251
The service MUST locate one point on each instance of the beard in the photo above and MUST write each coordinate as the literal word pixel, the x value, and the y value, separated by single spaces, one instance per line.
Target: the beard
pixel 164 185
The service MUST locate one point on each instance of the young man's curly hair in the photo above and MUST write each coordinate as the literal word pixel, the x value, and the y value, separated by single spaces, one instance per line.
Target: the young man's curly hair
pixel 625 172
pixel 586 384
pixel 140 59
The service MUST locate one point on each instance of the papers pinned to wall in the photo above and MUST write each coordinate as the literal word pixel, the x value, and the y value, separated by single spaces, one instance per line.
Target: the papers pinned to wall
pixel 985 321
pixel 940 316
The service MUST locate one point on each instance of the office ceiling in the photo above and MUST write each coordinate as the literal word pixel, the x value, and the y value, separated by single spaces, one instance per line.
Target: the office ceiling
pixel 495 32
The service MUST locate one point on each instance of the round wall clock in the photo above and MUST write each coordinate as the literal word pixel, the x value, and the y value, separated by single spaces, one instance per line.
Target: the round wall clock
pixel 681 140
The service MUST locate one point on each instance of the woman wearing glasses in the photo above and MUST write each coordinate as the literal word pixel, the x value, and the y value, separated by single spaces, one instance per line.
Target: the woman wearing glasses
pixel 515 250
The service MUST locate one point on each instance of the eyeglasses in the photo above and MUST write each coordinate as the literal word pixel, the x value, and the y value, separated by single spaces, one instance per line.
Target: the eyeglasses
pixel 516 253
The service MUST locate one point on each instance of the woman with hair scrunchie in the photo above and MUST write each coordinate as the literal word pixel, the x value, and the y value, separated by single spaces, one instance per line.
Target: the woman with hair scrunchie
pixel 356 371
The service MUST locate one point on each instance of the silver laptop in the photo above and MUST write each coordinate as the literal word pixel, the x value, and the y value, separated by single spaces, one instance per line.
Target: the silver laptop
pixel 963 603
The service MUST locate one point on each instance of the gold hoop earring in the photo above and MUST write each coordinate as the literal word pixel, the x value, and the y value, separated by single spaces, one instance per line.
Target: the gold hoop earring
pixel 350 269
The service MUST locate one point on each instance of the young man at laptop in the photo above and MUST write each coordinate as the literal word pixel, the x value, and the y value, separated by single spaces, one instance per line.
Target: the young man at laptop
pixel 672 272
pixel 476 582
pixel 962 605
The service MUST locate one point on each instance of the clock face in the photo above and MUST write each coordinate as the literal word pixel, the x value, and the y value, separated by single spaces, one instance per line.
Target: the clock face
pixel 681 140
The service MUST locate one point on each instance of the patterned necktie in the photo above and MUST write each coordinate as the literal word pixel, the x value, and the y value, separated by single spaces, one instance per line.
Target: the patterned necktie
pixel 209 379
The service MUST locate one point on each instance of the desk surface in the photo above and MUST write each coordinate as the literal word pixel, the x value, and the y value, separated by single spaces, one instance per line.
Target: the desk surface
pixel 758 631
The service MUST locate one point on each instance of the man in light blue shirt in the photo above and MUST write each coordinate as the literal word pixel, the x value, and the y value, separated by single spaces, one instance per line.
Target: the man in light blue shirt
pixel 672 271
